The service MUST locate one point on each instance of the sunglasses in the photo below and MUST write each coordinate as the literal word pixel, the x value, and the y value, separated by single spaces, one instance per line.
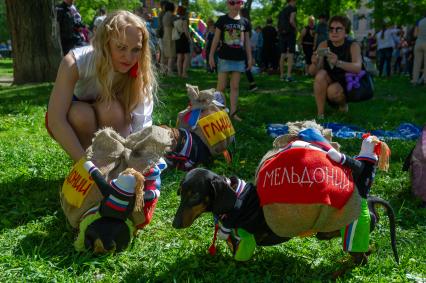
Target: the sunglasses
pixel 335 29
pixel 232 3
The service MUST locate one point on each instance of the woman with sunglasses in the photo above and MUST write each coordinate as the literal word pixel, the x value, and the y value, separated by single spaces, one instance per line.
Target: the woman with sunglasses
pixel 331 61
pixel 232 37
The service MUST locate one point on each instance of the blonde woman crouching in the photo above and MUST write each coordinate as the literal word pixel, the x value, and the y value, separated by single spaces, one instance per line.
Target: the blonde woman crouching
pixel 110 83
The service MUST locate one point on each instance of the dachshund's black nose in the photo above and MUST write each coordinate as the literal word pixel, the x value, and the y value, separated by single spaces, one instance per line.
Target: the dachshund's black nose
pixel 177 221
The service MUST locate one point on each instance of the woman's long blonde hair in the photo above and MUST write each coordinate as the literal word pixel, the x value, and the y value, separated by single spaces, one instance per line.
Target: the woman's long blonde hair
pixel 128 90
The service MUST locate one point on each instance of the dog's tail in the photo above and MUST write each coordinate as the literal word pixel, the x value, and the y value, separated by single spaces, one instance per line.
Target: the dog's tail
pixel 372 202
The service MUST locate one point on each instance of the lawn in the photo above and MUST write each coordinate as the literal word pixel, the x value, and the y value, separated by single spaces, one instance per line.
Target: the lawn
pixel 36 244
pixel 6 67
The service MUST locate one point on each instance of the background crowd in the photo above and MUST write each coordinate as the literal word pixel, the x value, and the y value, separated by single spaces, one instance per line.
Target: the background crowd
pixel 281 46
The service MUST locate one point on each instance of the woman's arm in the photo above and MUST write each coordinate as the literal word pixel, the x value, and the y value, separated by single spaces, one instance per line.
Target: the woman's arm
pixel 59 105
pixel 302 35
pixel 213 48
pixel 317 61
pixel 352 67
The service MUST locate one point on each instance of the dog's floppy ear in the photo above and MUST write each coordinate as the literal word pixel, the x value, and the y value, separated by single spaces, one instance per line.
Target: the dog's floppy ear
pixel 223 197
pixel 384 156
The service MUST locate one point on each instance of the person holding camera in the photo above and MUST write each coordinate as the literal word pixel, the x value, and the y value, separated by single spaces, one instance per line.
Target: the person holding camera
pixel 331 61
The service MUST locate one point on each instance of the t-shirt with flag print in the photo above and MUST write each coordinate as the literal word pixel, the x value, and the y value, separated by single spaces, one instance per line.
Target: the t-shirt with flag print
pixel 233 33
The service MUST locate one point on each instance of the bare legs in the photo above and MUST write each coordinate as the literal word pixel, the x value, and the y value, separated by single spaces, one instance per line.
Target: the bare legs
pixel 86 119
pixel 235 86
pixel 290 60
pixel 182 64
pixel 325 89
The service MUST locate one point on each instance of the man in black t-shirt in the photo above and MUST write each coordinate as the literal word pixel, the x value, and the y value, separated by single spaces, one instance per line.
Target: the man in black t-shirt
pixel 287 34
pixel 269 34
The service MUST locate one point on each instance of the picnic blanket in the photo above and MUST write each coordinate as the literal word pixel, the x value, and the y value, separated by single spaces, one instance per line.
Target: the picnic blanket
pixel 405 131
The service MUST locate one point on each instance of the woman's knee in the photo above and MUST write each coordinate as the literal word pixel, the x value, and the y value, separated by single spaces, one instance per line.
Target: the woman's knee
pixel 222 81
pixel 110 114
pixel 82 117
pixel 335 93
pixel 321 78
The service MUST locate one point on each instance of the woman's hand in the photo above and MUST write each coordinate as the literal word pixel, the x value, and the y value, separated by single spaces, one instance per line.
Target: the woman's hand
pixel 314 58
pixel 212 62
pixel 249 63
pixel 332 58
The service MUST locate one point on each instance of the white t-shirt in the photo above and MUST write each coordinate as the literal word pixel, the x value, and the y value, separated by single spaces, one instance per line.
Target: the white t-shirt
pixel 421 25
pixel 87 88
pixel 387 41
pixel 98 21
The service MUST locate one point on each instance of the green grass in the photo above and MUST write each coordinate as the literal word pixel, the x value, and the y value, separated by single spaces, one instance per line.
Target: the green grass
pixel 36 245
pixel 6 67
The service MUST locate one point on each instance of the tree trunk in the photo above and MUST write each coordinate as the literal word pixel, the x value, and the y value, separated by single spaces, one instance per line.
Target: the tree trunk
pixel 36 48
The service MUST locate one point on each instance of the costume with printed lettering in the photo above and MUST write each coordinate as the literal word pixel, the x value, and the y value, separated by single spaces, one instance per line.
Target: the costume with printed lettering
pixel 205 130
pixel 84 202
pixel 342 201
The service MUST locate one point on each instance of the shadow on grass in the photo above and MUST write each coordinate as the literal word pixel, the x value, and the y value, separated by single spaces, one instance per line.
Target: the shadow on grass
pixel 27 199
pixel 267 266
pixel 53 242
pixel 12 98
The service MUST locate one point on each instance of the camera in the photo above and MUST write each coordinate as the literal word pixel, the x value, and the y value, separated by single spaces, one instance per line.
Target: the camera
pixel 323 51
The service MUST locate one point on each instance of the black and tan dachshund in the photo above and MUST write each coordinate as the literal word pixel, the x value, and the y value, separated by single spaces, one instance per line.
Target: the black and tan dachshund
pixel 204 191
pixel 187 151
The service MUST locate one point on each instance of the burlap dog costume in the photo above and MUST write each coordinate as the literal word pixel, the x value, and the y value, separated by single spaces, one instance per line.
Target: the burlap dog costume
pixel 112 154
pixel 320 194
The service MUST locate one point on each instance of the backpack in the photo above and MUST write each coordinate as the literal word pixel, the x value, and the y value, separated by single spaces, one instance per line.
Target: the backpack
pixel 415 163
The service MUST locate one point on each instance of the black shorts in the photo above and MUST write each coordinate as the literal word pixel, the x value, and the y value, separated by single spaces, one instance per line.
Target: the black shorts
pixel 288 43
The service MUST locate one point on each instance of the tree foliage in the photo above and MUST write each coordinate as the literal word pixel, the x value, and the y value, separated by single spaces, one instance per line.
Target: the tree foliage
pixel 4 30
pixel 203 8
pixel 401 12
pixel 88 8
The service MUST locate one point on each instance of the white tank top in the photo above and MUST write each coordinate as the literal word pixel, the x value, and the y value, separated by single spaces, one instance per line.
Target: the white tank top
pixel 87 88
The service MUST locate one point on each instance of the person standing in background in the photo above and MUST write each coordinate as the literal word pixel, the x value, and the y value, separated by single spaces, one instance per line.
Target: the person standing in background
pixel 232 32
pixel 420 51
pixel 287 31
pixel 252 84
pixel 269 34
pixel 160 34
pixel 307 39
pixel 169 45
pixel 99 19
pixel 208 37
pixel 258 58
pixel 183 43
pixel 70 26
pixel 385 45
pixel 321 31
